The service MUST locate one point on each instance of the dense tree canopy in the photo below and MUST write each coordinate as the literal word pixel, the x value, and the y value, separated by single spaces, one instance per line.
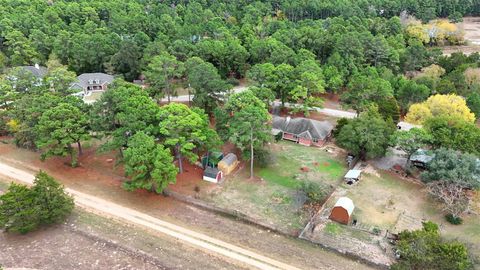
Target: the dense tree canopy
pixel 367 135
pixel 244 122
pixel 426 249
pixel 149 165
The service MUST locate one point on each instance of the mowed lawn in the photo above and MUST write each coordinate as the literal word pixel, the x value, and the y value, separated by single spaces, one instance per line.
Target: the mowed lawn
pixel 275 198
pixel 289 158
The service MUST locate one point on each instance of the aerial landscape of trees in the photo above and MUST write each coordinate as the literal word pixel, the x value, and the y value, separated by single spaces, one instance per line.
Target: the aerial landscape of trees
pixel 380 59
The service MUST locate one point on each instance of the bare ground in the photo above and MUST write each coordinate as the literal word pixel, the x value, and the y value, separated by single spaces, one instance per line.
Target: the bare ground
pixel 88 241
pixel 471 26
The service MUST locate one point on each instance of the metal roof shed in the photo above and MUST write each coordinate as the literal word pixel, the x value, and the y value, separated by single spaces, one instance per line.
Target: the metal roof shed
pixel 352 176
pixel 342 211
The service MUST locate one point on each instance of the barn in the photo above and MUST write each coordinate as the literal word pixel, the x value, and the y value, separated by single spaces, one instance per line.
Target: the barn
pixel 342 211
pixel 303 131
pixel 228 163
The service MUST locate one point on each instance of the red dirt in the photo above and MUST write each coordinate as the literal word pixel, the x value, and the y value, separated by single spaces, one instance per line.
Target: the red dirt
pixel 304 169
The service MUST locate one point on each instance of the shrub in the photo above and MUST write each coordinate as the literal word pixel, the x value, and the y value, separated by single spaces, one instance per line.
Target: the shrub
pixel 18 211
pixel 24 209
pixel 233 81
pixel 453 219
pixel 314 191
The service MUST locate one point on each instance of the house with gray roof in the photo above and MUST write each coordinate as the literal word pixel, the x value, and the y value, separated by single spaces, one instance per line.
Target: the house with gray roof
pixel 38 71
pixel 303 131
pixel 92 82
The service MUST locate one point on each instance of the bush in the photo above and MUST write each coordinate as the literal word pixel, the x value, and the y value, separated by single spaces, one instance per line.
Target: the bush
pixel 453 219
pixel 314 191
pixel 426 249
pixel 18 211
pixel 24 209
pixel 233 81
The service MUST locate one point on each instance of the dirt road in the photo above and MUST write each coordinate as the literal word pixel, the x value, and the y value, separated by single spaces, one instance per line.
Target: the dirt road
pixel 241 88
pixel 215 246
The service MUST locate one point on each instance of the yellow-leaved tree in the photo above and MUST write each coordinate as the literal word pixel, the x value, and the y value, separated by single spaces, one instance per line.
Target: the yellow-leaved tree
pixel 440 105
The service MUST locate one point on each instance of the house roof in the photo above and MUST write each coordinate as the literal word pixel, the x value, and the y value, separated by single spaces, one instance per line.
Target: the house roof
pixel 303 127
pixel 229 159
pixel 345 203
pixel 422 155
pixel 407 126
pixel 37 71
pixel 353 174
pixel 86 79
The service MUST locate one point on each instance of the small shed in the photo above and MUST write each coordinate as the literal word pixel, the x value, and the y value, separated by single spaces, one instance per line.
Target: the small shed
pixel 421 158
pixel 342 211
pixel 212 175
pixel 211 159
pixel 352 176
pixel 228 163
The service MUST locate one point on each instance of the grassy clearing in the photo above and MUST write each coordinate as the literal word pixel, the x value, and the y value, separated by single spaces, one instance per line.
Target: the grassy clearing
pixel 380 198
pixel 276 199
pixel 289 158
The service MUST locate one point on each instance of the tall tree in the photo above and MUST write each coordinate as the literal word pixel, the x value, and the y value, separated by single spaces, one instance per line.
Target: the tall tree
pixel 366 89
pixel 122 111
pixel 208 87
pixel 20 49
pixel 149 165
pixel 440 105
pixel 59 78
pixel 451 132
pixel 244 122
pixel 161 72
pixel 127 60
pixel 425 249
pixel 50 196
pixel 60 127
pixel 412 140
pixel 367 136
pixel 182 130
pixel 449 174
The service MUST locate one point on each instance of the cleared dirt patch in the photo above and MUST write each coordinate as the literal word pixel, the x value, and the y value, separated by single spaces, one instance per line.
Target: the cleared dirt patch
pixel 471 27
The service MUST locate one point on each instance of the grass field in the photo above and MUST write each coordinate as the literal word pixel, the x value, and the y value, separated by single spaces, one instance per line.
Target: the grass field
pixel 276 199
pixel 380 198
pixel 289 159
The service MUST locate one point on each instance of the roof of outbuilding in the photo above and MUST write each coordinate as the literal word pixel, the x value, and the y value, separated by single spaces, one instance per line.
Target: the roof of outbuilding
pixel 37 71
pixel 353 174
pixel 229 159
pixel 303 127
pixel 345 203
pixel 422 155
pixel 211 172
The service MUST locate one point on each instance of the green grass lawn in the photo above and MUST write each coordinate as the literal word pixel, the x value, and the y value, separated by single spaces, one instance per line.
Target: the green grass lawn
pixel 289 158
pixel 276 199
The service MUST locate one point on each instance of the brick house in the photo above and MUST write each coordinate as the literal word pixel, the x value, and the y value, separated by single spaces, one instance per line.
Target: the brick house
pixel 303 131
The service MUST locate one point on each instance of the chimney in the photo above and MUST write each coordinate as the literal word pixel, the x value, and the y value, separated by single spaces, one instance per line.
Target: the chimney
pixel 287 120
pixel 37 66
